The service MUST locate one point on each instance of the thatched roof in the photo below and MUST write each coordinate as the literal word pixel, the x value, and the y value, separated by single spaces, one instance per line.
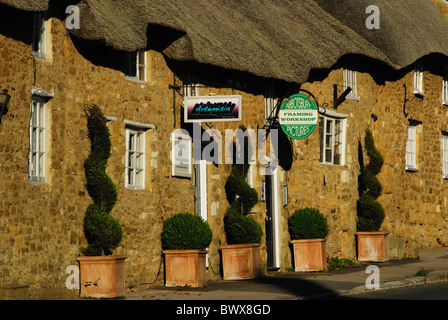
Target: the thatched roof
pixel 27 5
pixel 281 39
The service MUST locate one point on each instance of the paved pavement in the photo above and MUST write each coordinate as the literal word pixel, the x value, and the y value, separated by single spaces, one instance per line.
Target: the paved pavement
pixel 311 285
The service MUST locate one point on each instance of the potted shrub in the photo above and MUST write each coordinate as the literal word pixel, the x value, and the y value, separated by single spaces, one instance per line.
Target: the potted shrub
pixel 101 273
pixel 241 255
pixel 184 239
pixel 308 229
pixel 372 243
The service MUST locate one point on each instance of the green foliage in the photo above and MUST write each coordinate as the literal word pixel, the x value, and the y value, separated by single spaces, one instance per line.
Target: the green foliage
pixel 238 226
pixel 186 231
pixel 370 212
pixel 337 263
pixel 307 223
pixel 241 229
pixel 102 231
pixel 422 272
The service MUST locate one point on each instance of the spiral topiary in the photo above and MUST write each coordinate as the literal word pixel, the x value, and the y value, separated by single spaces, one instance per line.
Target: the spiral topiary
pixel 238 226
pixel 102 231
pixel 370 212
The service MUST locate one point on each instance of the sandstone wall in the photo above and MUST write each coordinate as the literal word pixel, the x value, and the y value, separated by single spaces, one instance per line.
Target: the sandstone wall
pixel 41 223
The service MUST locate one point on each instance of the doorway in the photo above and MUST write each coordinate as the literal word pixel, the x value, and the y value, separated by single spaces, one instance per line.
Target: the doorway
pixel 271 222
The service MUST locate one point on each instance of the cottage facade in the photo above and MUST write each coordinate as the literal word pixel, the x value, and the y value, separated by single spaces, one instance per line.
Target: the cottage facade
pixel 52 72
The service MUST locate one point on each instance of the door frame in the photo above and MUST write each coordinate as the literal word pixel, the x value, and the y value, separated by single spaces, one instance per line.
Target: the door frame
pixel 272 195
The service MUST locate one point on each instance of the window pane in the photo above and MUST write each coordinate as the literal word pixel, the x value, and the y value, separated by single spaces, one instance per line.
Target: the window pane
pixel 131 176
pixel 329 126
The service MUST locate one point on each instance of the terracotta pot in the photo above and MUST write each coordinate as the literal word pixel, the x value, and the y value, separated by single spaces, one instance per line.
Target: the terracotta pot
pixel 373 246
pixel 102 276
pixel 309 254
pixel 185 268
pixel 241 261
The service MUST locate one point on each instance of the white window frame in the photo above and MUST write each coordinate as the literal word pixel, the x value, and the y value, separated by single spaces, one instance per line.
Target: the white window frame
pixel 37 132
pixel 418 78
pixel 269 101
pixel 349 79
pixel 445 89
pixel 39 35
pixel 137 69
pixel 135 171
pixel 445 155
pixel 190 87
pixel 411 148
pixel 327 134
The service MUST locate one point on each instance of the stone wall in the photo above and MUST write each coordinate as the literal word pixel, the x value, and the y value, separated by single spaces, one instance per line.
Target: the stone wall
pixel 41 223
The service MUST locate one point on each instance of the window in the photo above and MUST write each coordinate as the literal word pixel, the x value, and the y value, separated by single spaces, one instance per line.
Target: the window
pixel 190 87
pixel 137 66
pixel 445 155
pixel 39 36
pixel 349 76
pixel 37 142
pixel 418 78
pixel 332 140
pixel 445 89
pixel 269 102
pixel 135 159
pixel 411 147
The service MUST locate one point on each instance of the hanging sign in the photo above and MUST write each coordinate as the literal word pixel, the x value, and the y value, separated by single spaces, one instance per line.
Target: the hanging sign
pixel 298 116
pixel 212 108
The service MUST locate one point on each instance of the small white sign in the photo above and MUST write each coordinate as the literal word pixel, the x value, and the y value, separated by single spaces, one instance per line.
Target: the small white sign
pixel 181 155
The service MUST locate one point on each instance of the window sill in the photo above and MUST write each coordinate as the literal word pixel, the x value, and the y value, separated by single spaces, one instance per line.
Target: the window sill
pixel 333 165
pixel 411 169
pixel 353 98
pixel 36 180
pixel 419 94
pixel 135 188
pixel 445 103
pixel 40 56
pixel 135 79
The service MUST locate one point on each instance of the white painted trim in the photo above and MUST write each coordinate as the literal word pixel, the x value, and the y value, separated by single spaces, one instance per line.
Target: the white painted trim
pixel 203 188
pixel 138 125
pixel 275 217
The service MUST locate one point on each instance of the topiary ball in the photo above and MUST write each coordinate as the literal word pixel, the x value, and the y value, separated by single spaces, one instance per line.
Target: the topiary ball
pixel 307 223
pixel 102 231
pixel 241 229
pixel 184 231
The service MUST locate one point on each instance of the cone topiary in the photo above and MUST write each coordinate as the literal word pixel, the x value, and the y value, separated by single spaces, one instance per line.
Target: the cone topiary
pixel 102 231
pixel 370 212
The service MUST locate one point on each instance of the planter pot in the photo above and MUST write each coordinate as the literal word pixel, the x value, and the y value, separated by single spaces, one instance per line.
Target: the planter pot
pixel 309 254
pixel 185 268
pixel 102 276
pixel 373 246
pixel 241 261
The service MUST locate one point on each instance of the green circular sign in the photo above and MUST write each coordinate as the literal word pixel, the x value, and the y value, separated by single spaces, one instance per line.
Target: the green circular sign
pixel 298 116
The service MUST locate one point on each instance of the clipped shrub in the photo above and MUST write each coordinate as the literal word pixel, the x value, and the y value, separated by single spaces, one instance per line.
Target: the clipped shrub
pixel 370 212
pixel 184 231
pixel 102 231
pixel 238 226
pixel 241 229
pixel 307 223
